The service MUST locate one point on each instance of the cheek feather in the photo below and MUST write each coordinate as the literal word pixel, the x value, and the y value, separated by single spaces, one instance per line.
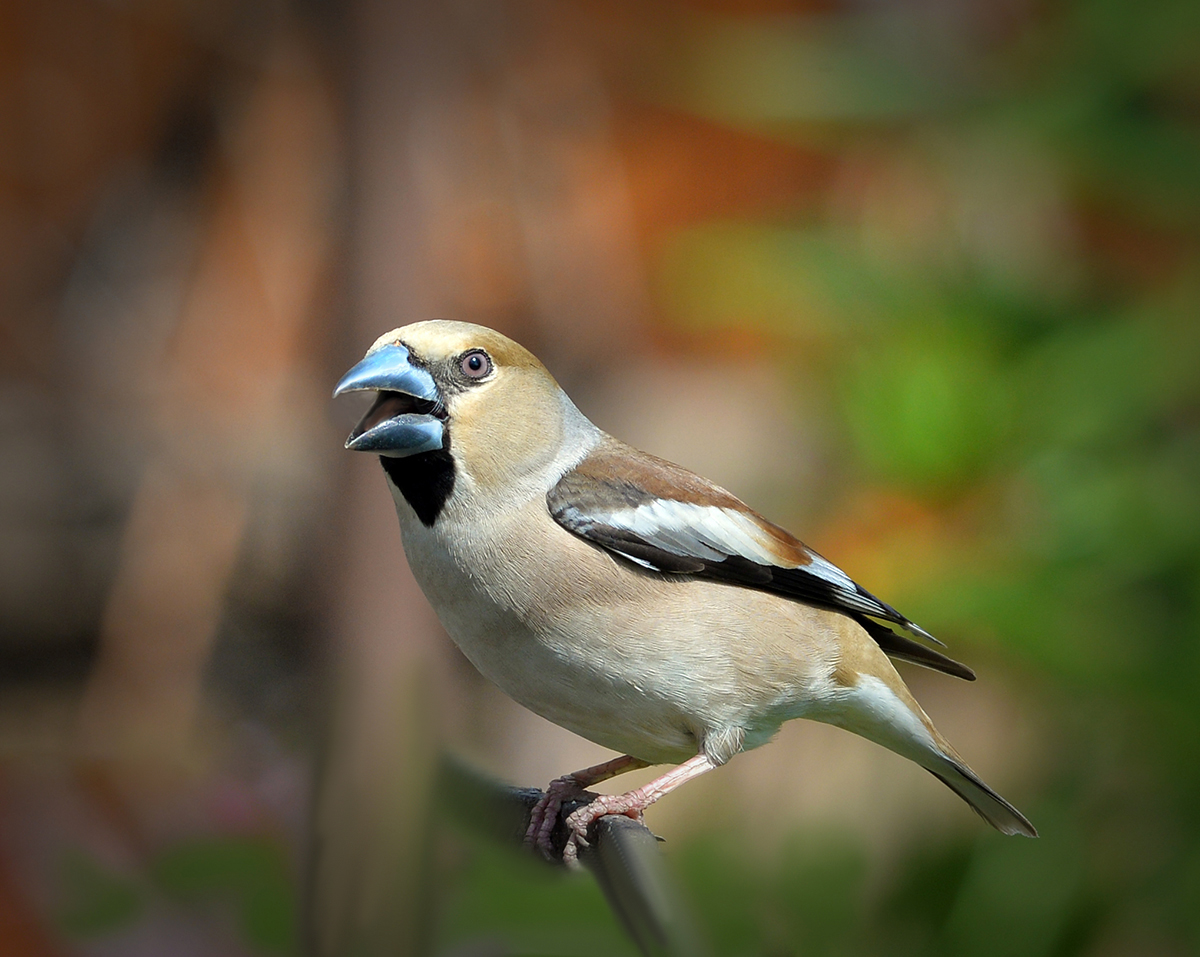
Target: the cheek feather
pixel 507 431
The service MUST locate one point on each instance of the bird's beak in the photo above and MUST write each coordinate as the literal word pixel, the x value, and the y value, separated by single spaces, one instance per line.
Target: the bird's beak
pixel 407 417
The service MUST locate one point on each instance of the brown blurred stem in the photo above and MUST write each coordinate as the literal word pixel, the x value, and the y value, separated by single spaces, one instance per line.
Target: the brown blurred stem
pixel 623 854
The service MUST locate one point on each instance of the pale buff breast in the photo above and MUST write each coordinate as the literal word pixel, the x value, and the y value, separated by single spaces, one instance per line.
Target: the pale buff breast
pixel 632 660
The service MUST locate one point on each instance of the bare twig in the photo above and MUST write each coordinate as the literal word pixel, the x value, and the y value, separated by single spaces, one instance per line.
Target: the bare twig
pixel 623 854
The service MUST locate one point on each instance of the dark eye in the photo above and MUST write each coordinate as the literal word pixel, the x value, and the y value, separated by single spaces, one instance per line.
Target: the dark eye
pixel 475 364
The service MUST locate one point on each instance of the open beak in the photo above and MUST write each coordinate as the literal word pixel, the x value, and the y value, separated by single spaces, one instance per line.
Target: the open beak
pixel 407 417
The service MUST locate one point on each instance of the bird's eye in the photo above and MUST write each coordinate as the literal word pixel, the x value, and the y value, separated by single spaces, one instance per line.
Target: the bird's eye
pixel 475 364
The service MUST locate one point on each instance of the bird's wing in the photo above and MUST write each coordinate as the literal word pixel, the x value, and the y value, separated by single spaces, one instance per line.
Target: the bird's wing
pixel 669 520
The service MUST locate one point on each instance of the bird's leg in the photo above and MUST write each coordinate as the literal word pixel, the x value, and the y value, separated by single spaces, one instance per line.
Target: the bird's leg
pixel 545 812
pixel 631 803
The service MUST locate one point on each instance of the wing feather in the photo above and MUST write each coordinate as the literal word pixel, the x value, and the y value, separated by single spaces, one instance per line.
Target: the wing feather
pixel 669 520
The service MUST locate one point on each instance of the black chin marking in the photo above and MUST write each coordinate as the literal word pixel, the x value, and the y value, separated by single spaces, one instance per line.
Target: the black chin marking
pixel 425 480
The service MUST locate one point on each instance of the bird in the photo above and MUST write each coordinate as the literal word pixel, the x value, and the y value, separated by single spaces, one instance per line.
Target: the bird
pixel 621 596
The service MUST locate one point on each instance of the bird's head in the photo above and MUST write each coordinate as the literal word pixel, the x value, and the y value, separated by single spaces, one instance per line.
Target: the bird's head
pixel 461 388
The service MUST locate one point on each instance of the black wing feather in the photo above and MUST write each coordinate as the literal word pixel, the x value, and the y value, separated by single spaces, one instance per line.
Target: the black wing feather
pixel 899 646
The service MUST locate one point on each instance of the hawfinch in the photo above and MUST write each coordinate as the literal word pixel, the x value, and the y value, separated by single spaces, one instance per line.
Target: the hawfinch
pixel 620 596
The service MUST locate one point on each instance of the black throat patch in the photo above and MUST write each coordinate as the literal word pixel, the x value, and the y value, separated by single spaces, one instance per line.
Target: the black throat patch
pixel 425 481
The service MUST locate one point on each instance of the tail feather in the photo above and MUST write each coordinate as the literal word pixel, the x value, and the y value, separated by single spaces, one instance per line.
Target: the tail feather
pixel 880 707
pixel 983 800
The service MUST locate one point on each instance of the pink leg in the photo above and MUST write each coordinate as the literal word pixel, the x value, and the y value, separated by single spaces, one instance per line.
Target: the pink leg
pixel 631 804
pixel 545 812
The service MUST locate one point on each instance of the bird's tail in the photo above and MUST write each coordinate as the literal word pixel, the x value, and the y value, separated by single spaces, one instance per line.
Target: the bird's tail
pixel 881 708
pixel 952 771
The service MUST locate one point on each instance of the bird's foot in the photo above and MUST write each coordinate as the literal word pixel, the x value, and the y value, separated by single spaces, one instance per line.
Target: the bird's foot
pixel 544 815
pixel 631 804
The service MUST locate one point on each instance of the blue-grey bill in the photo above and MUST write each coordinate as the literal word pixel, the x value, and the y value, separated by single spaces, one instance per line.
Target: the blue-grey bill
pixel 402 435
pixel 388 369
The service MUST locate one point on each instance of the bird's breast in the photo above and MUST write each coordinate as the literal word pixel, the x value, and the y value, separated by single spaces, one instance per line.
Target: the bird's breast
pixel 632 660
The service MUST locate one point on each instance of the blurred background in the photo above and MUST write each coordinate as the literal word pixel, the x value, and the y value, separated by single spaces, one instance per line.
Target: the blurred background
pixel 920 281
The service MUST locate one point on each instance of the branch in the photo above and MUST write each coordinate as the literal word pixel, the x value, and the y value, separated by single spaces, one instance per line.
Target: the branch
pixel 622 854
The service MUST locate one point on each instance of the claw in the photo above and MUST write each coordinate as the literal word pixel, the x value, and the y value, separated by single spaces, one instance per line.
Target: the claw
pixel 544 815
pixel 570 855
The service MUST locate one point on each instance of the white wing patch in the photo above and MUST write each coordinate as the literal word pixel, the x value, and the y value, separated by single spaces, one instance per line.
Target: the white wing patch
pixel 832 574
pixel 706 532
pixel 716 541
pixel 711 533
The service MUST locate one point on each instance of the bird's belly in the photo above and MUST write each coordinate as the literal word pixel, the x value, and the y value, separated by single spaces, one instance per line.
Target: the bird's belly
pixel 554 673
pixel 639 664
